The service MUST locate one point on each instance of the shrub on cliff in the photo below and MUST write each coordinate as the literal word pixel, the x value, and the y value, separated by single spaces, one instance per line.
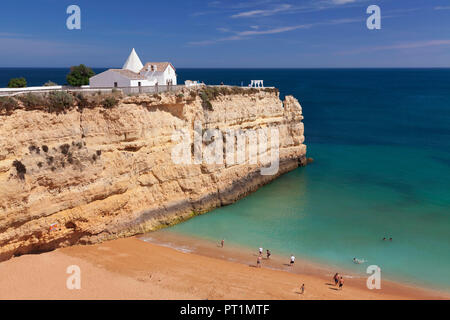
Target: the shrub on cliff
pixel 59 101
pixel 109 102
pixel 193 94
pixel 79 75
pixel 93 100
pixel 20 168
pixel 206 103
pixel 271 90
pixel 7 105
pixel 32 101
pixel 64 148
pixel 82 101
pixel 17 83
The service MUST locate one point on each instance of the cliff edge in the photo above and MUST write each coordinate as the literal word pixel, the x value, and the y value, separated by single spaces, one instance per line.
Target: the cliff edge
pixel 87 175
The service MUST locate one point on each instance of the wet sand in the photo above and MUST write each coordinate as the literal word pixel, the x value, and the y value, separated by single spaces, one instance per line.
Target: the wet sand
pixel 133 269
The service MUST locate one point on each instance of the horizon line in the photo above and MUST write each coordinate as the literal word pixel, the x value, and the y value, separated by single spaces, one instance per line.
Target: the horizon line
pixel 246 68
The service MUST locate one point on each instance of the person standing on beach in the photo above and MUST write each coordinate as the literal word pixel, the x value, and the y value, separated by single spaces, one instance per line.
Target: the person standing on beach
pixel 302 289
pixel 260 250
pixel 292 260
pixel 258 261
pixel 336 279
pixel 268 254
pixel 341 283
pixel 222 242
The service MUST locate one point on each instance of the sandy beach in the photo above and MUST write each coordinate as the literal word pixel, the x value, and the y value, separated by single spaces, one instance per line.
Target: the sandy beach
pixel 133 269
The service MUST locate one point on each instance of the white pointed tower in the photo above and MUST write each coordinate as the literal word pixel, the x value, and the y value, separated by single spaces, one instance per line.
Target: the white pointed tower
pixel 133 62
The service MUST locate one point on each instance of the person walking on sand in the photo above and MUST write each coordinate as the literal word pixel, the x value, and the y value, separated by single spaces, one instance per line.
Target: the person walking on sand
pixel 292 260
pixel 302 289
pixel 341 283
pixel 222 242
pixel 268 254
pixel 336 279
pixel 258 261
pixel 260 250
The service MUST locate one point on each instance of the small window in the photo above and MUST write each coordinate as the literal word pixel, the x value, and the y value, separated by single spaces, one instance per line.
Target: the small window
pixel 115 84
pixel 139 84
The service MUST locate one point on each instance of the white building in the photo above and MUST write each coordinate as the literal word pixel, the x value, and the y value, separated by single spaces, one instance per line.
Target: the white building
pixel 134 74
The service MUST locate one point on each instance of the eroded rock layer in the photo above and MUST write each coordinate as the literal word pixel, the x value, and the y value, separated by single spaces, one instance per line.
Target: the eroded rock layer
pixel 95 174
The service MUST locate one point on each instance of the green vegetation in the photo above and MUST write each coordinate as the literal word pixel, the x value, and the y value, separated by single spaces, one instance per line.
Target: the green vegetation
pixel 8 105
pixel 56 101
pixel 17 83
pixel 208 94
pixel 59 101
pixel 33 101
pixel 206 100
pixel 79 75
pixel 109 102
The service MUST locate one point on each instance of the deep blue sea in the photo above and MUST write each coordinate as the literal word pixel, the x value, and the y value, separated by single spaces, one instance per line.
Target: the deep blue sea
pixel 381 143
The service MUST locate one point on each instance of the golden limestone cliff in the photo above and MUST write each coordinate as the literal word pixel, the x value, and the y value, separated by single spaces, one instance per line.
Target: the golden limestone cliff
pixel 93 174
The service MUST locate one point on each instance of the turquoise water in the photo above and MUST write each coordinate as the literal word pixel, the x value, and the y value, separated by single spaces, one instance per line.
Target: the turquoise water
pixel 341 207
pixel 381 144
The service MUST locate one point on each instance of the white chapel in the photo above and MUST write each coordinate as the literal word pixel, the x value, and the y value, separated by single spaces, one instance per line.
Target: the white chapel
pixel 135 74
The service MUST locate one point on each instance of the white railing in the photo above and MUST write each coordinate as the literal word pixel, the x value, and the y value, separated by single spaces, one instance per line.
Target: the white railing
pixel 125 90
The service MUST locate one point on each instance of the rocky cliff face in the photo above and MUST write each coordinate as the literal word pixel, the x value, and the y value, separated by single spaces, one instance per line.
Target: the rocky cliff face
pixel 86 176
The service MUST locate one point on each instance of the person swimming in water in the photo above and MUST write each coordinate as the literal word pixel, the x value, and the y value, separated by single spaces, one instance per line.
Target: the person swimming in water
pixel 358 261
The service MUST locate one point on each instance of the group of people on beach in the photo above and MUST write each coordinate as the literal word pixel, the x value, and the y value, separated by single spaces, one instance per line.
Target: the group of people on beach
pixel 260 254
pixel 268 254
pixel 338 280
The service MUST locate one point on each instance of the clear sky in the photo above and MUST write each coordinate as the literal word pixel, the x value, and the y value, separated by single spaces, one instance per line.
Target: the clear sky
pixel 227 33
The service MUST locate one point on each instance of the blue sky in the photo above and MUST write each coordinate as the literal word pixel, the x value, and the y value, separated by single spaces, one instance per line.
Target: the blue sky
pixel 227 33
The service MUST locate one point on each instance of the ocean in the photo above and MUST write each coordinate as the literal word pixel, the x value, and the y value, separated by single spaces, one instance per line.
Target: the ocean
pixel 380 139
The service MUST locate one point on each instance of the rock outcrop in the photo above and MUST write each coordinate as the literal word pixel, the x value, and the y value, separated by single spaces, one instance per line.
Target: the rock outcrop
pixel 95 174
